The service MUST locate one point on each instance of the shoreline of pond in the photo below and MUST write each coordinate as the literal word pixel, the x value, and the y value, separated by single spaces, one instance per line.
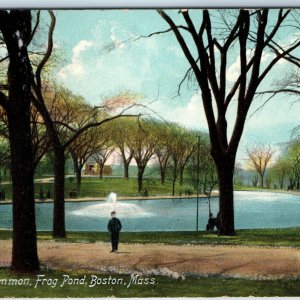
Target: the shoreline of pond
pixel 122 198
pixel 156 197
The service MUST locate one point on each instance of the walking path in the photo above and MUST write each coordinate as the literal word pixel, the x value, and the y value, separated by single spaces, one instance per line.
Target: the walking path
pixel 176 261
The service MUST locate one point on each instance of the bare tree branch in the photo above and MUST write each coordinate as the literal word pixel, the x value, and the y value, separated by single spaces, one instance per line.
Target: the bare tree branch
pixel 35 26
pixel 48 52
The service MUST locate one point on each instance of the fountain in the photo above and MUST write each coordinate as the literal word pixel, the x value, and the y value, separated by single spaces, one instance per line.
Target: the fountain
pixel 104 210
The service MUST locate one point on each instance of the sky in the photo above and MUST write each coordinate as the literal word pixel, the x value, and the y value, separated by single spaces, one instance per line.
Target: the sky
pixel 99 61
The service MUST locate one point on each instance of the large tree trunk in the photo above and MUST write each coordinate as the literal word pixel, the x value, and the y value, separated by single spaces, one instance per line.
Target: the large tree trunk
pixel 225 168
pixel 24 254
pixel 59 198
pixel 24 250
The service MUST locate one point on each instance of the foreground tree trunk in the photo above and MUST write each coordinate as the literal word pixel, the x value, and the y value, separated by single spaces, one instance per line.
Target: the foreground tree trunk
pixel 225 170
pixel 59 198
pixel 24 255
pixel 16 30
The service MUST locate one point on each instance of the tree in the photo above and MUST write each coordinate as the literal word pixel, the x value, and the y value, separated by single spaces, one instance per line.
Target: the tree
pixel 259 158
pixel 40 140
pixel 238 176
pixel 188 147
pixel 84 146
pixel 208 50
pixel 4 155
pixel 182 144
pixel 104 147
pixel 162 150
pixel 293 160
pixel 120 135
pixel 207 170
pixel 142 142
pixel 16 30
pixel 254 180
pixel 81 150
pixel 162 153
pixel 59 141
pixel 280 171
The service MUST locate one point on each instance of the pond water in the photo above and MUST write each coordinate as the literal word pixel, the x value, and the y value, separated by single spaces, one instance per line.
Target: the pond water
pixel 252 210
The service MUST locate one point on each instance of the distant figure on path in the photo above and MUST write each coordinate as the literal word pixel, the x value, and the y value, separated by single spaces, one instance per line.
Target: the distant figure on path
pixel 218 221
pixel 41 196
pixel 73 194
pixel 114 226
pixel 211 223
pixel 145 193
pixel 48 194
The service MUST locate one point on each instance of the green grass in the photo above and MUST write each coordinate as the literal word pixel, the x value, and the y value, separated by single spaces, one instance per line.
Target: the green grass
pixel 162 287
pixel 287 237
pixel 95 187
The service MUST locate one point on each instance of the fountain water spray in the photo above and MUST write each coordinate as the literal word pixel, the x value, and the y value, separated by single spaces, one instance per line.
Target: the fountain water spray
pixel 112 198
pixel 104 209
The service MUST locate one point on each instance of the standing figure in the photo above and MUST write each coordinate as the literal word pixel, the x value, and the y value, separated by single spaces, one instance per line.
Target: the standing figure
pixel 114 226
pixel 41 194
pixel 211 223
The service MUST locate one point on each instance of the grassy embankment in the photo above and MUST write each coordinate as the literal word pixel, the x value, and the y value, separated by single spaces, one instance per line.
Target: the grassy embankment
pixel 95 187
pixel 285 237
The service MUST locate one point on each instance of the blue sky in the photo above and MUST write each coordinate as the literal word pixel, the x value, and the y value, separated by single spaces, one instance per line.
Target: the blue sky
pixel 84 38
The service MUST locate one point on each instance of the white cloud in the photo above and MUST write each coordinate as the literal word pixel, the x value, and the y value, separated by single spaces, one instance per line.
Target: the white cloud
pixel 234 69
pixel 191 115
pixel 76 67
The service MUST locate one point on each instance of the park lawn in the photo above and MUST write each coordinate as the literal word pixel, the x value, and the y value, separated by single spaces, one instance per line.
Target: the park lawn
pixel 163 286
pixel 253 188
pixel 95 187
pixel 284 237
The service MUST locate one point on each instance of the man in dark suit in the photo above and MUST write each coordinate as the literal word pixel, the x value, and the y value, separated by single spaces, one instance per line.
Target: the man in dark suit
pixel 114 226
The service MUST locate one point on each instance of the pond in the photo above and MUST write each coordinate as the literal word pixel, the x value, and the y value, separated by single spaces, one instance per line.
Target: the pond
pixel 252 210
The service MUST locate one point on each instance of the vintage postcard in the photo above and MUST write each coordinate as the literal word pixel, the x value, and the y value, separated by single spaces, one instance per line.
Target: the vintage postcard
pixel 149 152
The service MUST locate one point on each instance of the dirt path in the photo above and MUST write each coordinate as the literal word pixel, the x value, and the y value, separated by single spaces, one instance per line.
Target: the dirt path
pixel 248 262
